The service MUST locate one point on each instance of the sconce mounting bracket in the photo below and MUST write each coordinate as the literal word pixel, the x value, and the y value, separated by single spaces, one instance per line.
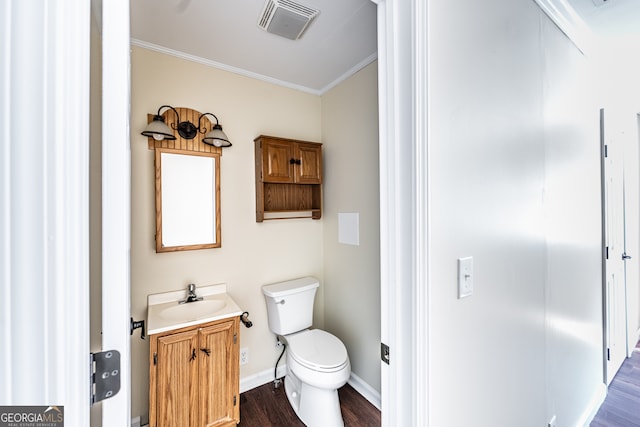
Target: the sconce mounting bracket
pixel 187 130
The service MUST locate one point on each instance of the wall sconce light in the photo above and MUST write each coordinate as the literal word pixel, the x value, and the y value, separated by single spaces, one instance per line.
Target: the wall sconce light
pixel 159 130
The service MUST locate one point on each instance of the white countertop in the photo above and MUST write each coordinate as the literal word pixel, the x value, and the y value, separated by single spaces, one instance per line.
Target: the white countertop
pixel 158 303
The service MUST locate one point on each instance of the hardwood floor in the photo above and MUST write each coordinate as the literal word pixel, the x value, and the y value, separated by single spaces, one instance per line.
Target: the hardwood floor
pixel 265 406
pixel 621 408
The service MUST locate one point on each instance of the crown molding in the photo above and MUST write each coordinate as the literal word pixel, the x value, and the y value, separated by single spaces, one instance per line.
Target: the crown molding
pixel 566 18
pixel 242 72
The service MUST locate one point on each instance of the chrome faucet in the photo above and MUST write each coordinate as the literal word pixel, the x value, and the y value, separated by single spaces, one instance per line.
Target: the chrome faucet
pixel 191 295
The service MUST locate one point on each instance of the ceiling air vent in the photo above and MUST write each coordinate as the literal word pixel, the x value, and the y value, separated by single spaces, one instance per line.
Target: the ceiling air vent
pixel 286 18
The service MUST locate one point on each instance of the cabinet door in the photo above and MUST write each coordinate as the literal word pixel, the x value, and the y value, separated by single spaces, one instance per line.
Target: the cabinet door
pixel 219 374
pixel 308 163
pixel 276 161
pixel 176 376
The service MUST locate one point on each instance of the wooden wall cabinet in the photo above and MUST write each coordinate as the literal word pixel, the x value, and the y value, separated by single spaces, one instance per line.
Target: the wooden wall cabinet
pixel 194 376
pixel 288 178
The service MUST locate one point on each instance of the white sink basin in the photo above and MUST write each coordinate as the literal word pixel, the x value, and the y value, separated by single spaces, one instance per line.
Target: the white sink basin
pixel 165 314
pixel 192 310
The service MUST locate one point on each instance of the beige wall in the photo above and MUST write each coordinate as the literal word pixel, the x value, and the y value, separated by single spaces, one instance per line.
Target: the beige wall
pixel 352 273
pixel 252 254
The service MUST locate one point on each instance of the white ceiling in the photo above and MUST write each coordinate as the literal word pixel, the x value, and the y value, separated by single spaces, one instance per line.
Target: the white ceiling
pixel 609 17
pixel 338 43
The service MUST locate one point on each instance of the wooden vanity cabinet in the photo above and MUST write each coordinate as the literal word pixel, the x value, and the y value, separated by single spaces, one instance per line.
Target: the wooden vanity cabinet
pixel 288 178
pixel 194 376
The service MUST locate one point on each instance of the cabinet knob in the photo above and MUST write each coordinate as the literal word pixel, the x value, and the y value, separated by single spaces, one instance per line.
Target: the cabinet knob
pixel 206 351
pixel 294 161
pixel 193 355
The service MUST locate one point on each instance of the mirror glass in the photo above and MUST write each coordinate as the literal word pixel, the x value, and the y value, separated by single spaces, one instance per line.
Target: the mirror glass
pixel 187 200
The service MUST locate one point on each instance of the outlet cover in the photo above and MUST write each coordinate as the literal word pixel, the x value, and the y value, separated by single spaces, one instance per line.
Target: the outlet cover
pixel 465 277
pixel 244 355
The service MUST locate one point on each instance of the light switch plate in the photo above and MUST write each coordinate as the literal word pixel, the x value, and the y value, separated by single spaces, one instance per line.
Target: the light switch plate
pixel 465 277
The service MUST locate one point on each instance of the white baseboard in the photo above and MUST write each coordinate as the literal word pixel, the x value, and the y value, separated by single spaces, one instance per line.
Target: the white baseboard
pixel 592 409
pixel 261 378
pixel 368 392
pixel 266 376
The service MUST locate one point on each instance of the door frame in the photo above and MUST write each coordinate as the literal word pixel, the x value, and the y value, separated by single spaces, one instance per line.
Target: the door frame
pixel 116 212
pixel 404 210
pixel 44 206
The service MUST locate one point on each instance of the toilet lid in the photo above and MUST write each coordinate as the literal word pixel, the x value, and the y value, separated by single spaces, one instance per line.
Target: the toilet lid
pixel 317 349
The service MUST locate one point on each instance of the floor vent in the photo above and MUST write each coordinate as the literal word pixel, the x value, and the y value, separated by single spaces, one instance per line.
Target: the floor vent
pixel 286 18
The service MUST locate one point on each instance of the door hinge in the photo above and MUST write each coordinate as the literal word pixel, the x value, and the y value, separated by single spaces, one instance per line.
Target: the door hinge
pixel 234 400
pixel 105 375
pixel 235 338
pixel 384 352
pixel 606 252
pixel 155 359
pixel 608 354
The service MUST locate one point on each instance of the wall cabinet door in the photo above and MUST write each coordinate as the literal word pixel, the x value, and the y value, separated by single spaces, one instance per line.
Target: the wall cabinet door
pixel 194 376
pixel 308 163
pixel 276 161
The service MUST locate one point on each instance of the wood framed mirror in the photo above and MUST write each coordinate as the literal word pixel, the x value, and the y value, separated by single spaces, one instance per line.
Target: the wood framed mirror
pixel 187 200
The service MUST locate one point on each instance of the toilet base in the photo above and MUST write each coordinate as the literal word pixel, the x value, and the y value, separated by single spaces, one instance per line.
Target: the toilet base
pixel 314 406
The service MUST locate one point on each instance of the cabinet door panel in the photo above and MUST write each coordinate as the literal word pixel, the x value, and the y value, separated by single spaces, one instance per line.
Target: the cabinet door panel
pixel 176 380
pixel 277 166
pixel 309 171
pixel 219 366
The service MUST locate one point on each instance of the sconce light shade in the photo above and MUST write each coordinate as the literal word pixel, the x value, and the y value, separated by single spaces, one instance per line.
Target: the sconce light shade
pixel 217 137
pixel 158 130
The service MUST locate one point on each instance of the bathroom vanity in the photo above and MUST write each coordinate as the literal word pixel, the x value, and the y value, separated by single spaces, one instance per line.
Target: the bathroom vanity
pixel 194 367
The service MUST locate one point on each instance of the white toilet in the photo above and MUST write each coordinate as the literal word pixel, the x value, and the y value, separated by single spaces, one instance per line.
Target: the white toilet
pixel 317 362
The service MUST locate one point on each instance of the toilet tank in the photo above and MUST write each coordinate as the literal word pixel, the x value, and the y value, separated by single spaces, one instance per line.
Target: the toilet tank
pixel 290 304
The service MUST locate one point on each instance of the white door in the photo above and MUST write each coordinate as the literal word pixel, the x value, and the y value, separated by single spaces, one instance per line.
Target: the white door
pixel 615 315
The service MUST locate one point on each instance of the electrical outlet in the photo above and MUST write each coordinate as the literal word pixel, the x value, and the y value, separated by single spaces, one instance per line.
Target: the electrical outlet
pixel 552 421
pixel 278 343
pixel 244 355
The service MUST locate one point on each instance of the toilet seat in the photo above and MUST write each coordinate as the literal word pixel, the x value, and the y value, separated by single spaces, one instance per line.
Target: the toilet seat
pixel 317 350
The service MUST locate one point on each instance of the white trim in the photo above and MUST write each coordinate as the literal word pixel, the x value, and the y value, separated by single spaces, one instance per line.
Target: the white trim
pixel 566 18
pixel 592 409
pixel 398 275
pixel 261 378
pixel 421 248
pixel 365 390
pixel 266 376
pixel 257 76
pixel 116 212
pixel 44 200
pixel 221 66
pixel 353 70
